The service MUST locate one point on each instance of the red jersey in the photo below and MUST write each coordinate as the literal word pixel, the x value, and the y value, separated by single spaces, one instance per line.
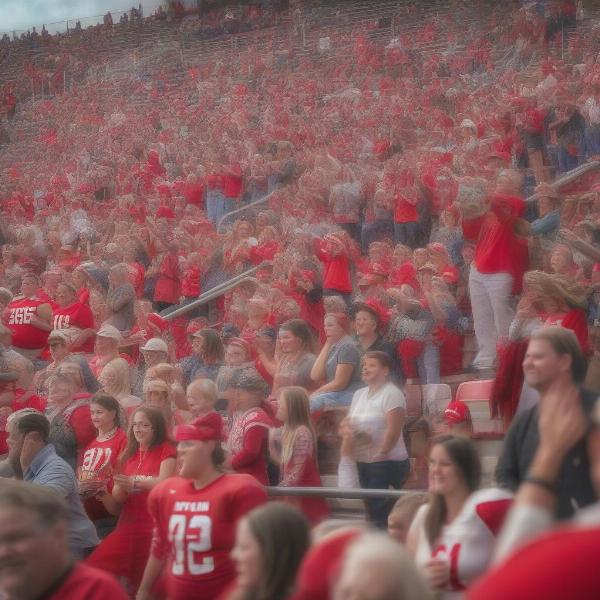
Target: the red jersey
pixel 97 461
pixel 336 275
pixel 77 315
pixel 195 530
pixel 86 583
pixel 18 319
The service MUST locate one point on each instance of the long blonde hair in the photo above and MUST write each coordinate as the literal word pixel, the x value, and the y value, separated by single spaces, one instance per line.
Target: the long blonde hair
pixel 297 404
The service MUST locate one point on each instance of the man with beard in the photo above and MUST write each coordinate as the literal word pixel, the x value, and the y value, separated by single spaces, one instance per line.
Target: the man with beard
pixel 34 550
pixel 34 460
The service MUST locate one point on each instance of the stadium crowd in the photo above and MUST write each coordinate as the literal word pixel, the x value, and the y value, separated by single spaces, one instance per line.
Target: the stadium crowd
pixel 392 207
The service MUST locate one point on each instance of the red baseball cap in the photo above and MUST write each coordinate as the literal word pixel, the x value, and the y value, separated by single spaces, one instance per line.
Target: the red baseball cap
pixel 203 429
pixel 457 412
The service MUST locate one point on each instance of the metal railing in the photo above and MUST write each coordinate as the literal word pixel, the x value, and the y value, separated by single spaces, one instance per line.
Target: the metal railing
pixel 571 176
pixel 342 493
pixel 243 209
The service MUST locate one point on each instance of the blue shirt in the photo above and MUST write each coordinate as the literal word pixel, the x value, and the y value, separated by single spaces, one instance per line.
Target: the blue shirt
pixel 49 469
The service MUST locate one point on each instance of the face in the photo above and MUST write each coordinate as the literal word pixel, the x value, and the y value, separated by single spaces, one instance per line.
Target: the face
pixel 420 257
pixel 333 331
pixel 28 551
pixel 235 356
pixel 193 457
pixel 28 286
pixel 7 392
pixel 59 394
pixel 14 441
pixel 288 342
pixel 398 524
pixel 373 371
pixel 247 556
pixel 197 344
pixel 63 296
pixel 156 400
pixel 199 403
pixel 104 345
pixel 58 349
pixel 558 261
pixel 152 357
pixel 468 254
pixel 364 323
pixel 444 477
pixel 142 429
pixel 102 418
pixel 542 364
pixel 282 409
pixel 78 278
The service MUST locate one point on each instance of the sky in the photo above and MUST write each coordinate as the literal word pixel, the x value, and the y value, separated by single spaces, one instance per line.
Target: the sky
pixel 24 14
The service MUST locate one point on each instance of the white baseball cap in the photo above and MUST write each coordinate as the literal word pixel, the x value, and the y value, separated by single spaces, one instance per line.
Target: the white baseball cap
pixel 155 345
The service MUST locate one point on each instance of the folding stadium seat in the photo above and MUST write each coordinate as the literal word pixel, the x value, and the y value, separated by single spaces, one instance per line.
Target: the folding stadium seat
pixel 476 394
pixel 414 400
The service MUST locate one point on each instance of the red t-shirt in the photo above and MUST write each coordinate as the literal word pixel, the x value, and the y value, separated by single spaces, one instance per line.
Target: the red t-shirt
pixel 562 564
pixel 404 211
pixel 194 193
pixel 337 271
pixel 100 458
pixel 195 530
pixel 18 319
pixel 232 184
pixel 87 583
pixel 76 315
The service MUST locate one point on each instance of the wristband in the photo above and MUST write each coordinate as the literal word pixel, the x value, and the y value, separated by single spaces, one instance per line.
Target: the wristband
pixel 543 483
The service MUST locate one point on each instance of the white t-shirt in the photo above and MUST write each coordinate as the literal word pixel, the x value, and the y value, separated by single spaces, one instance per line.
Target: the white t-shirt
pixel 368 418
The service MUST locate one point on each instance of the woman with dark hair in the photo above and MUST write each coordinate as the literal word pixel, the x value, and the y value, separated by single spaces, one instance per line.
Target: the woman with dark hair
pixel 207 356
pixel 337 367
pixel 270 545
pixel 295 357
pixel 453 536
pixel 376 418
pixel 100 456
pixel 148 458
pixel 195 516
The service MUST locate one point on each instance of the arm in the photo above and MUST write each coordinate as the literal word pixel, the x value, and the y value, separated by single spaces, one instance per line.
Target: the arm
pixel 167 469
pixel 42 319
pixel 507 469
pixel 254 443
pixel 394 422
pixel 120 297
pixel 341 379
pixel 318 373
pixel 581 245
pixel 154 567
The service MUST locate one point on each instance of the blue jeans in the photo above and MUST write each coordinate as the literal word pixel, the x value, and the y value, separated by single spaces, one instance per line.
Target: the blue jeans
pixel 407 234
pixel 381 476
pixel 428 364
pixel 331 399
pixel 215 206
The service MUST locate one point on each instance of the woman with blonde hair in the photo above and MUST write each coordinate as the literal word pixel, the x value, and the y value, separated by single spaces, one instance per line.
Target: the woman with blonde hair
pixel 296 451
pixel 115 380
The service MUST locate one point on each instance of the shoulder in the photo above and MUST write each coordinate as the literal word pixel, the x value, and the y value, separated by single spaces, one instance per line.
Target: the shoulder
pixel 90 583
pixel 241 484
pixel 486 507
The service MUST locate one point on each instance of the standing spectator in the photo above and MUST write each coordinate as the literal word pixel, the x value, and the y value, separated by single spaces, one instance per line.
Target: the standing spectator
pixel 35 460
pixel 224 498
pixel 120 300
pixel 41 520
pixel 555 367
pixel 71 428
pixel 248 438
pixel 167 289
pixel 497 269
pixel 297 455
pixel 452 537
pixel 206 358
pixel 148 458
pixel 376 416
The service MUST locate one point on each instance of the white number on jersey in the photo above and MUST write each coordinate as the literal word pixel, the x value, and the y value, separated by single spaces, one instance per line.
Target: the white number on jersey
pixel 21 315
pixel 95 459
pixel 62 321
pixel 189 536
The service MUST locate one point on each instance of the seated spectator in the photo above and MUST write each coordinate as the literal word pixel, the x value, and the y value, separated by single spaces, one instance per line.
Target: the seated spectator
pixel 41 520
pixel 295 450
pixel 74 318
pixel 376 417
pixel 169 374
pixel 237 356
pixel 157 395
pixel 337 365
pixel 154 352
pixel 106 348
pixel 116 382
pixel 206 358
pixel 201 397
pixel 34 459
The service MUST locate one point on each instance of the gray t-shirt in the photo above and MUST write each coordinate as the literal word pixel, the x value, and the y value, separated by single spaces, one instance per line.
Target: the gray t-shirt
pixel 344 352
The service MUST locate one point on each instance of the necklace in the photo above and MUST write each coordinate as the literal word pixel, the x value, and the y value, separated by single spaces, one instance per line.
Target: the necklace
pixel 109 435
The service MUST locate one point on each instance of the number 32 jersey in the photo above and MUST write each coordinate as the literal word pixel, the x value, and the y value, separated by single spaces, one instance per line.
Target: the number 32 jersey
pixel 194 530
